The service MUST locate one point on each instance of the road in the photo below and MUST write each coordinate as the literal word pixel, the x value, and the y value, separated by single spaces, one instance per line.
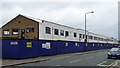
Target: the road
pixel 92 59
pixel 87 59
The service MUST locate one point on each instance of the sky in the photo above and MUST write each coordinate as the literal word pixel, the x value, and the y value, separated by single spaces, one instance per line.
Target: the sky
pixel 103 21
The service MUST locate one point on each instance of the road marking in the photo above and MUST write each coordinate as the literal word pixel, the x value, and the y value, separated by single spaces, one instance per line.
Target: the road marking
pixel 90 57
pixel 100 52
pixel 66 56
pixel 75 61
pixel 57 65
pixel 101 63
pixel 59 58
pixel 111 64
pixel 86 54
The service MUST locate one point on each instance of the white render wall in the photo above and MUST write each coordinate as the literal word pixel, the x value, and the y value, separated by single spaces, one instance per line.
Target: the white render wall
pixel 44 36
pixel 51 36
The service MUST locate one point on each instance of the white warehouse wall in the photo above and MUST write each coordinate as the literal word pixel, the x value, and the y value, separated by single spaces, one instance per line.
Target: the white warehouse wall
pixel 44 36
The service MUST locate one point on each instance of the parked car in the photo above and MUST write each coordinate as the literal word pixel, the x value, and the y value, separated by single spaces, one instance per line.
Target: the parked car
pixel 114 53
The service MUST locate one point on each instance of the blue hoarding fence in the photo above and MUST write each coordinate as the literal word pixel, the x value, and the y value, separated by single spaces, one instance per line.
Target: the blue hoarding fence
pixel 33 48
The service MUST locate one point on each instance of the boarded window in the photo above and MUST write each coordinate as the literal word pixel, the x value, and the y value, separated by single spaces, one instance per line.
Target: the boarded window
pixel 56 32
pixel 66 33
pixel 30 30
pixel 62 32
pixel 15 32
pixel 75 34
pixel 6 32
pixel 48 30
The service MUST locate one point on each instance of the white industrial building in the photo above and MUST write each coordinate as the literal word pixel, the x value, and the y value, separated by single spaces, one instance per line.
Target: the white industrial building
pixel 53 31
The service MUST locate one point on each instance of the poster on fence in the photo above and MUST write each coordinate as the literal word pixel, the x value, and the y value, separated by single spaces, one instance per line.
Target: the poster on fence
pixel 43 45
pixel 47 45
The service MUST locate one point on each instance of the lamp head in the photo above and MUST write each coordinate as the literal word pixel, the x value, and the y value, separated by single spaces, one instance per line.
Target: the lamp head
pixel 92 11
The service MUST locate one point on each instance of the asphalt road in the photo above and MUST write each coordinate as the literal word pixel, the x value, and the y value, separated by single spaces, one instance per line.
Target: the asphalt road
pixel 92 59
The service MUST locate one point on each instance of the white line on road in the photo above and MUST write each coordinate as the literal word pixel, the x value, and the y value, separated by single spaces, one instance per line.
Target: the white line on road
pixel 57 65
pixel 101 63
pixel 90 57
pixel 100 52
pixel 59 58
pixel 75 61
pixel 86 54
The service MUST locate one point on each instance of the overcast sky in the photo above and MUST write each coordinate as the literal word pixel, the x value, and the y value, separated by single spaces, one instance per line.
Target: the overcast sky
pixel 104 21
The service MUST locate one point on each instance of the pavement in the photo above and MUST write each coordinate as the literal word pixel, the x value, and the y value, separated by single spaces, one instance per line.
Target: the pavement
pixel 71 58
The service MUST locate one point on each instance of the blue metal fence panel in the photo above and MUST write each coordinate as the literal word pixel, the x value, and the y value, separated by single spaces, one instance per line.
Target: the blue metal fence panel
pixel 28 48
pixel 18 49
pixel 91 46
pixel 95 46
pixel 71 47
pixel 47 48
pixel 10 49
pixel 77 47
pixel 63 47
pixel 81 47
pixel 100 46
pixel 103 46
pixel 68 47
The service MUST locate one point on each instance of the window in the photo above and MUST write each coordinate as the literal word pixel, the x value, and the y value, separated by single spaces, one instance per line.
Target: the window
pixel 6 32
pixel 15 32
pixel 48 30
pixel 90 37
pixel 56 32
pixel 98 38
pixel 95 38
pixel 80 35
pixel 30 30
pixel 19 21
pixel 83 36
pixel 104 39
pixel 66 33
pixel 75 34
pixel 86 36
pixel 62 32
pixel 101 39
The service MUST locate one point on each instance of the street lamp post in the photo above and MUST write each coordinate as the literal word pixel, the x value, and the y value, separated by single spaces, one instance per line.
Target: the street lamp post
pixel 85 29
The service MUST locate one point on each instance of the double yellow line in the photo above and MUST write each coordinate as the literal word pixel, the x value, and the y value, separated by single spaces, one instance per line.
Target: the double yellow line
pixel 111 64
